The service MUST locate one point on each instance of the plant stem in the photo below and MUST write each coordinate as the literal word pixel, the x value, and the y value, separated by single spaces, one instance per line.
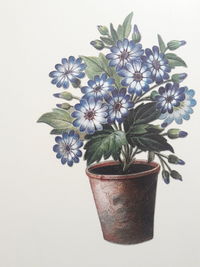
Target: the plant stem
pixel 105 46
pixel 76 97
pixel 163 161
pixel 115 125
pixel 162 155
pixel 156 85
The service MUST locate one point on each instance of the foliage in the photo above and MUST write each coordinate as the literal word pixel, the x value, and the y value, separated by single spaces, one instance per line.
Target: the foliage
pixel 119 117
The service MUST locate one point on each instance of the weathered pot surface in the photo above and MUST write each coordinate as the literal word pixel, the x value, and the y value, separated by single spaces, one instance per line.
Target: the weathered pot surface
pixel 125 202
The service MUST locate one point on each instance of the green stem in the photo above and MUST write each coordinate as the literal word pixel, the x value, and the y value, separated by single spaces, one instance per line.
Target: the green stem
pixel 163 161
pixel 76 97
pixel 115 126
pixel 162 155
pixel 105 46
pixel 153 87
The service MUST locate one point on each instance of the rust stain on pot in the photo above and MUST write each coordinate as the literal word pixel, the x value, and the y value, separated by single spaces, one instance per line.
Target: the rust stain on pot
pixel 125 206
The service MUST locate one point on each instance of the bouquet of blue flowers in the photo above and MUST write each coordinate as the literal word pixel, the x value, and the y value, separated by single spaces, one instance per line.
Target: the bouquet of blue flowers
pixel 129 90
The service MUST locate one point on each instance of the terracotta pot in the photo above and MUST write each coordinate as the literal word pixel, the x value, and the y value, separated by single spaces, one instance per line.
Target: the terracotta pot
pixel 125 202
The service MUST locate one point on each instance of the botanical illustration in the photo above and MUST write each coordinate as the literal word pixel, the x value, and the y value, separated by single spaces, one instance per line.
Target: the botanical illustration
pixel 132 101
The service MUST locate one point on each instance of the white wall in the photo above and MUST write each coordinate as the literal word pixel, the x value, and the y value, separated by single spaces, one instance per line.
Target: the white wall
pixel 47 214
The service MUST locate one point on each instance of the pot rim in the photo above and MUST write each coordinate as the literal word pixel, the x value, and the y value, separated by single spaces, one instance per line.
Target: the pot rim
pixel 155 169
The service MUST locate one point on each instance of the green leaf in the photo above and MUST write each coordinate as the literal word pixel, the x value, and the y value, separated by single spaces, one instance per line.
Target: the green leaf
pixel 143 114
pixel 113 33
pixel 93 66
pixel 139 129
pixel 127 25
pixel 175 61
pixel 120 32
pixel 149 142
pixel 104 144
pixel 59 118
pixel 58 131
pixel 111 72
pixel 161 44
pixel 107 40
pixel 99 65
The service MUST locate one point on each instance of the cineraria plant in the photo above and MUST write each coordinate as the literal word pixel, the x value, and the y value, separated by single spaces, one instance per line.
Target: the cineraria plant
pixel 128 91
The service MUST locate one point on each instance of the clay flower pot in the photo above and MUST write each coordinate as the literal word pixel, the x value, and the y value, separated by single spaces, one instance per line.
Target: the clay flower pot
pixel 125 202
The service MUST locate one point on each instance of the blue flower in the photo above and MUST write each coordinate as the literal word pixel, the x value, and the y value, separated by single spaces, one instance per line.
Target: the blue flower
pixel 137 77
pixel 70 70
pixel 157 64
pixel 123 52
pixel 169 97
pixel 118 105
pixel 98 87
pixel 90 114
pixel 181 112
pixel 67 148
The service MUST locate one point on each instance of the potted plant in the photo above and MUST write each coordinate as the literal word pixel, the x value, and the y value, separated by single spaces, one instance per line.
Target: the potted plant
pixel 129 91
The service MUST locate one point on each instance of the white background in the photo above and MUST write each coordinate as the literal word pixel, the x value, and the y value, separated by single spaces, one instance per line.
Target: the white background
pixel 47 213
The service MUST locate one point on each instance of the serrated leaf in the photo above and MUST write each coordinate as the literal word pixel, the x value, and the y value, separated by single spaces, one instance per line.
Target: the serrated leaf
pixel 99 65
pixel 149 142
pixel 104 144
pixel 120 32
pixel 111 72
pixel 161 44
pixel 139 129
pixel 59 119
pixel 146 113
pixel 58 131
pixel 175 61
pixel 127 25
pixel 107 40
pixel 93 66
pixel 143 114
pixel 113 33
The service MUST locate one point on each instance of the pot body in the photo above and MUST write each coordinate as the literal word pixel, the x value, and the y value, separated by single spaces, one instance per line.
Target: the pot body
pixel 125 203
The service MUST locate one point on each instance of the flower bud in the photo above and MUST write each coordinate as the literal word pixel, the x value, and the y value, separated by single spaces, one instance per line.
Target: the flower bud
pixel 103 30
pixel 136 36
pixel 98 44
pixel 165 176
pixel 76 83
pixel 178 78
pixel 64 106
pixel 176 133
pixel 175 160
pixel 173 45
pixel 64 95
pixel 153 94
pixel 176 175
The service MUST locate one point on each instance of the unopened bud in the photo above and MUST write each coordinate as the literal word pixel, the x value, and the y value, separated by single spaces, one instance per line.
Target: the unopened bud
pixel 176 133
pixel 173 45
pixel 65 95
pixel 76 83
pixel 175 160
pixel 103 30
pixel 136 36
pixel 153 95
pixel 64 106
pixel 165 176
pixel 176 175
pixel 98 44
